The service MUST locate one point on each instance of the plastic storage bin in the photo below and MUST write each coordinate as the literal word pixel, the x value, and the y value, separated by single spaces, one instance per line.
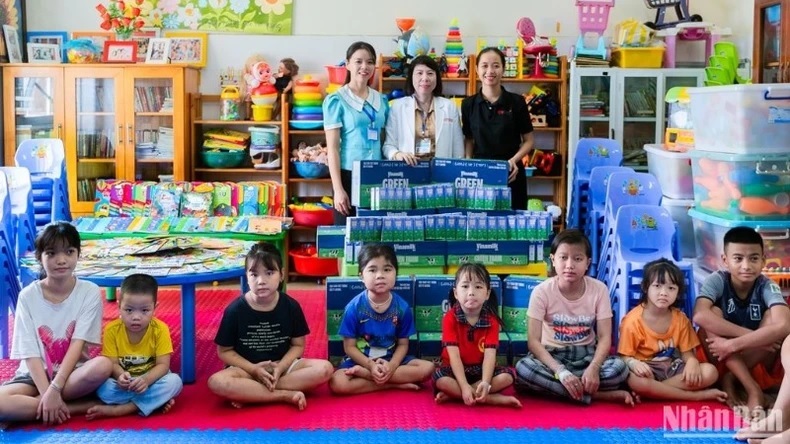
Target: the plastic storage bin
pixel 709 234
pixel 651 57
pixel 741 119
pixel 672 170
pixel 742 187
pixel 679 210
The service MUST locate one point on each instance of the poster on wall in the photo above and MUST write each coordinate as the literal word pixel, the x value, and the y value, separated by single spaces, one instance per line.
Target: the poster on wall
pixel 12 13
pixel 232 16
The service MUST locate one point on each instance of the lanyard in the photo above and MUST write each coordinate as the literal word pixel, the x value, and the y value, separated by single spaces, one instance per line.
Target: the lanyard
pixel 424 116
pixel 371 115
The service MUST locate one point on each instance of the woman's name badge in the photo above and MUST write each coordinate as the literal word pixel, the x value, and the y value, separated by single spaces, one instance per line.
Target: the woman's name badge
pixel 424 146
pixel 373 134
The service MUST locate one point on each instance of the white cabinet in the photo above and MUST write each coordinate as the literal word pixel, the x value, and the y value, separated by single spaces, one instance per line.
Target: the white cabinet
pixel 625 104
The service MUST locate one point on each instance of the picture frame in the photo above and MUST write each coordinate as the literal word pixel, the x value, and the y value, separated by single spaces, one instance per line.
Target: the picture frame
pixel 43 53
pixel 49 37
pixel 97 37
pixel 13 14
pixel 158 51
pixel 189 48
pixel 143 38
pixel 119 51
pixel 11 38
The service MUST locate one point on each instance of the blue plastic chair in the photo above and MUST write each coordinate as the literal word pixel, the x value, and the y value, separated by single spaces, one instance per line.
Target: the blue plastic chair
pixel 590 152
pixel 9 269
pixel 45 159
pixel 20 192
pixel 624 188
pixel 593 229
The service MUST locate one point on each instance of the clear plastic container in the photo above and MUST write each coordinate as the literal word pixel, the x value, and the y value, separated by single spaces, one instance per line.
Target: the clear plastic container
pixel 679 210
pixel 741 119
pixel 672 170
pixel 742 187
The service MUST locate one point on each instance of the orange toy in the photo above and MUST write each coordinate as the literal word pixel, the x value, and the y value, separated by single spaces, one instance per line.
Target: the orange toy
pixel 760 206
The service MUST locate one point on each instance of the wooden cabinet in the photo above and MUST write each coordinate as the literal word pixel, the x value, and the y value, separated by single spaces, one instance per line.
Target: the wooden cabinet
pixel 123 122
pixel 771 41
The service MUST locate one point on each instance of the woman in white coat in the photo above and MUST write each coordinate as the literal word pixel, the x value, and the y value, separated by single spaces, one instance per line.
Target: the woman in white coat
pixel 423 125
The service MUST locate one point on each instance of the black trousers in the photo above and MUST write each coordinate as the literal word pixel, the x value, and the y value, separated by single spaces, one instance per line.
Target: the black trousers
pixel 345 179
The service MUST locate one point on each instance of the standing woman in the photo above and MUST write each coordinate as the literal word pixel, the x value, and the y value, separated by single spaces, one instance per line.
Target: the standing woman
pixel 423 125
pixel 497 124
pixel 354 117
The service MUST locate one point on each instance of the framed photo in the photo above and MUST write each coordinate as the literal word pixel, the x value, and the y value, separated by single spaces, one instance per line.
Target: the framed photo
pixel 12 12
pixel 43 53
pixel 97 37
pixel 143 38
pixel 120 52
pixel 51 38
pixel 158 51
pixel 12 44
pixel 188 48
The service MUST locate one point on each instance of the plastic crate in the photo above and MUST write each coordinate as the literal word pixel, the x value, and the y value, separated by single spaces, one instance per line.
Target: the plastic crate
pixel 651 57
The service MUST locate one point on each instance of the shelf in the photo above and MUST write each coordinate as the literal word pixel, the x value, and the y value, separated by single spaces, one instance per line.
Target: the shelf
pixel 640 119
pixel 301 228
pixel 154 114
pixel 301 180
pixel 307 132
pixel 154 160
pixel 594 119
pixel 236 170
pixel 546 129
pixel 237 122
pixel 96 160
pixel 94 114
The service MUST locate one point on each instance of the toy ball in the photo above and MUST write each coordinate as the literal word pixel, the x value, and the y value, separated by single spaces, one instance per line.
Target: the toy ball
pixel 419 43
pixel 397 93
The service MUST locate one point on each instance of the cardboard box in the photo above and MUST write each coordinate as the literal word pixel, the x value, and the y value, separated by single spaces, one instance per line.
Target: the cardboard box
pixel 367 174
pixel 420 254
pixel 431 301
pixel 393 213
pixel 469 173
pixel 330 240
pixel 518 346
pixel 515 301
pixel 488 252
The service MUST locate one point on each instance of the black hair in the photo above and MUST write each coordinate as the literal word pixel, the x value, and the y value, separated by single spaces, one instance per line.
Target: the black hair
pixel 291 66
pixel 57 234
pixel 571 236
pixel 266 254
pixel 663 271
pixel 431 64
pixel 479 271
pixel 372 251
pixel 743 235
pixel 495 50
pixel 139 284
pixel 356 46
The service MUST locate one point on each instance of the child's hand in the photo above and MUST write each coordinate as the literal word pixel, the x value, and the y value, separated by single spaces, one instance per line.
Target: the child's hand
pixel 124 380
pixel 139 384
pixel 275 372
pixel 591 379
pixel 483 389
pixel 51 409
pixel 692 374
pixel 261 374
pixel 382 371
pixel 720 347
pixel 468 394
pixel 640 368
pixel 571 383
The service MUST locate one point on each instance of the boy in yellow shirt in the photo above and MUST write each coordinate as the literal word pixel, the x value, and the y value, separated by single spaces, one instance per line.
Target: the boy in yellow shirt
pixel 140 347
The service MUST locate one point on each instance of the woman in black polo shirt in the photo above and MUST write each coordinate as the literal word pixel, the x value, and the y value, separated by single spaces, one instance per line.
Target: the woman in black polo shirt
pixel 497 125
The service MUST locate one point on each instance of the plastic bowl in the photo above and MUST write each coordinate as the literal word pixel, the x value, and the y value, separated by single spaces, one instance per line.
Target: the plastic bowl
pixel 311 170
pixel 306 124
pixel 312 265
pixel 313 218
pixel 222 159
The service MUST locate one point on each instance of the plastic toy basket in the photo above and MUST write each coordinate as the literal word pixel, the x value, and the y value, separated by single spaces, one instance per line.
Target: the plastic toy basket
pixel 309 264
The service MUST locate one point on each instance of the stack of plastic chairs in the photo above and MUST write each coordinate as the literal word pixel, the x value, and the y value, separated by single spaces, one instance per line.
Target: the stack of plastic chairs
pixel 644 233
pixel 590 153
pixel 593 228
pixel 45 159
pixel 624 188
pixel 24 220
pixel 9 269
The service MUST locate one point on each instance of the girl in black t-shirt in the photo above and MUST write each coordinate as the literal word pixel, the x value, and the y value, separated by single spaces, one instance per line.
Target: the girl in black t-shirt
pixel 261 339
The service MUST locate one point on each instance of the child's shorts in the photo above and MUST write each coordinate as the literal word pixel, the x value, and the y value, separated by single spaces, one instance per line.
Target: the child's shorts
pixel 766 378
pixel 348 362
pixel 473 372
pixel 663 370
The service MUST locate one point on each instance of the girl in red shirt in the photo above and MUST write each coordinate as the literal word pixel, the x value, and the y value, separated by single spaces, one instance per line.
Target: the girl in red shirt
pixel 470 337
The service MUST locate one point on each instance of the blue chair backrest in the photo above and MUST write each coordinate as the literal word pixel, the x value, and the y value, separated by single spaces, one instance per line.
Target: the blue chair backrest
pixel 592 152
pixel 19 189
pixel 644 231
pixel 626 188
pixel 42 157
pixel 599 180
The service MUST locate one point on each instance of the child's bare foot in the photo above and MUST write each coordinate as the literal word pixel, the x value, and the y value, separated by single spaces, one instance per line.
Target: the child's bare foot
pixel 236 404
pixel 502 400
pixel 728 385
pixel 407 387
pixel 712 395
pixel 627 398
pixel 298 400
pixel 103 410
pixel 755 401
pixel 356 370
pixel 765 427
pixel 168 405
pixel 441 398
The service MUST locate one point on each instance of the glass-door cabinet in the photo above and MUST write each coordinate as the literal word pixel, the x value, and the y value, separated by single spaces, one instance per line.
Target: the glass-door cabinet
pixel 771 44
pixel 32 106
pixel 96 133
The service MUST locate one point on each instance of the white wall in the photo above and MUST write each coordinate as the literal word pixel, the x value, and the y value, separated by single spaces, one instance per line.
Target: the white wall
pixel 324 28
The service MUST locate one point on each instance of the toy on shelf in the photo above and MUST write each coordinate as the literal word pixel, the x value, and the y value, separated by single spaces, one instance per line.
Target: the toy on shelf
pixel 455 61
pixel 257 78
pixel 538 47
pixel 412 42
pixel 679 135
pixel 307 111
pixel 681 9
pixel 593 19
pixel 688 32
pixel 230 98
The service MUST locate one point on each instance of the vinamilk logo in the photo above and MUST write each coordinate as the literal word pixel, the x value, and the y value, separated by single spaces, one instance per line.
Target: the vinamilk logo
pixel 684 422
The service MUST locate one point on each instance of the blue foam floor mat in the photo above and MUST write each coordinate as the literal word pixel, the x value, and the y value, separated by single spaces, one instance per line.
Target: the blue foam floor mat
pixel 612 436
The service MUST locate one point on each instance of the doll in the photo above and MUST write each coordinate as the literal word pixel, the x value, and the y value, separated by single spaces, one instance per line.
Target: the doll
pixel 284 83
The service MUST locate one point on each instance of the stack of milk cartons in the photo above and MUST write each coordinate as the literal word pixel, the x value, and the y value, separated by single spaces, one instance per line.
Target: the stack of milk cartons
pixel 741 169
